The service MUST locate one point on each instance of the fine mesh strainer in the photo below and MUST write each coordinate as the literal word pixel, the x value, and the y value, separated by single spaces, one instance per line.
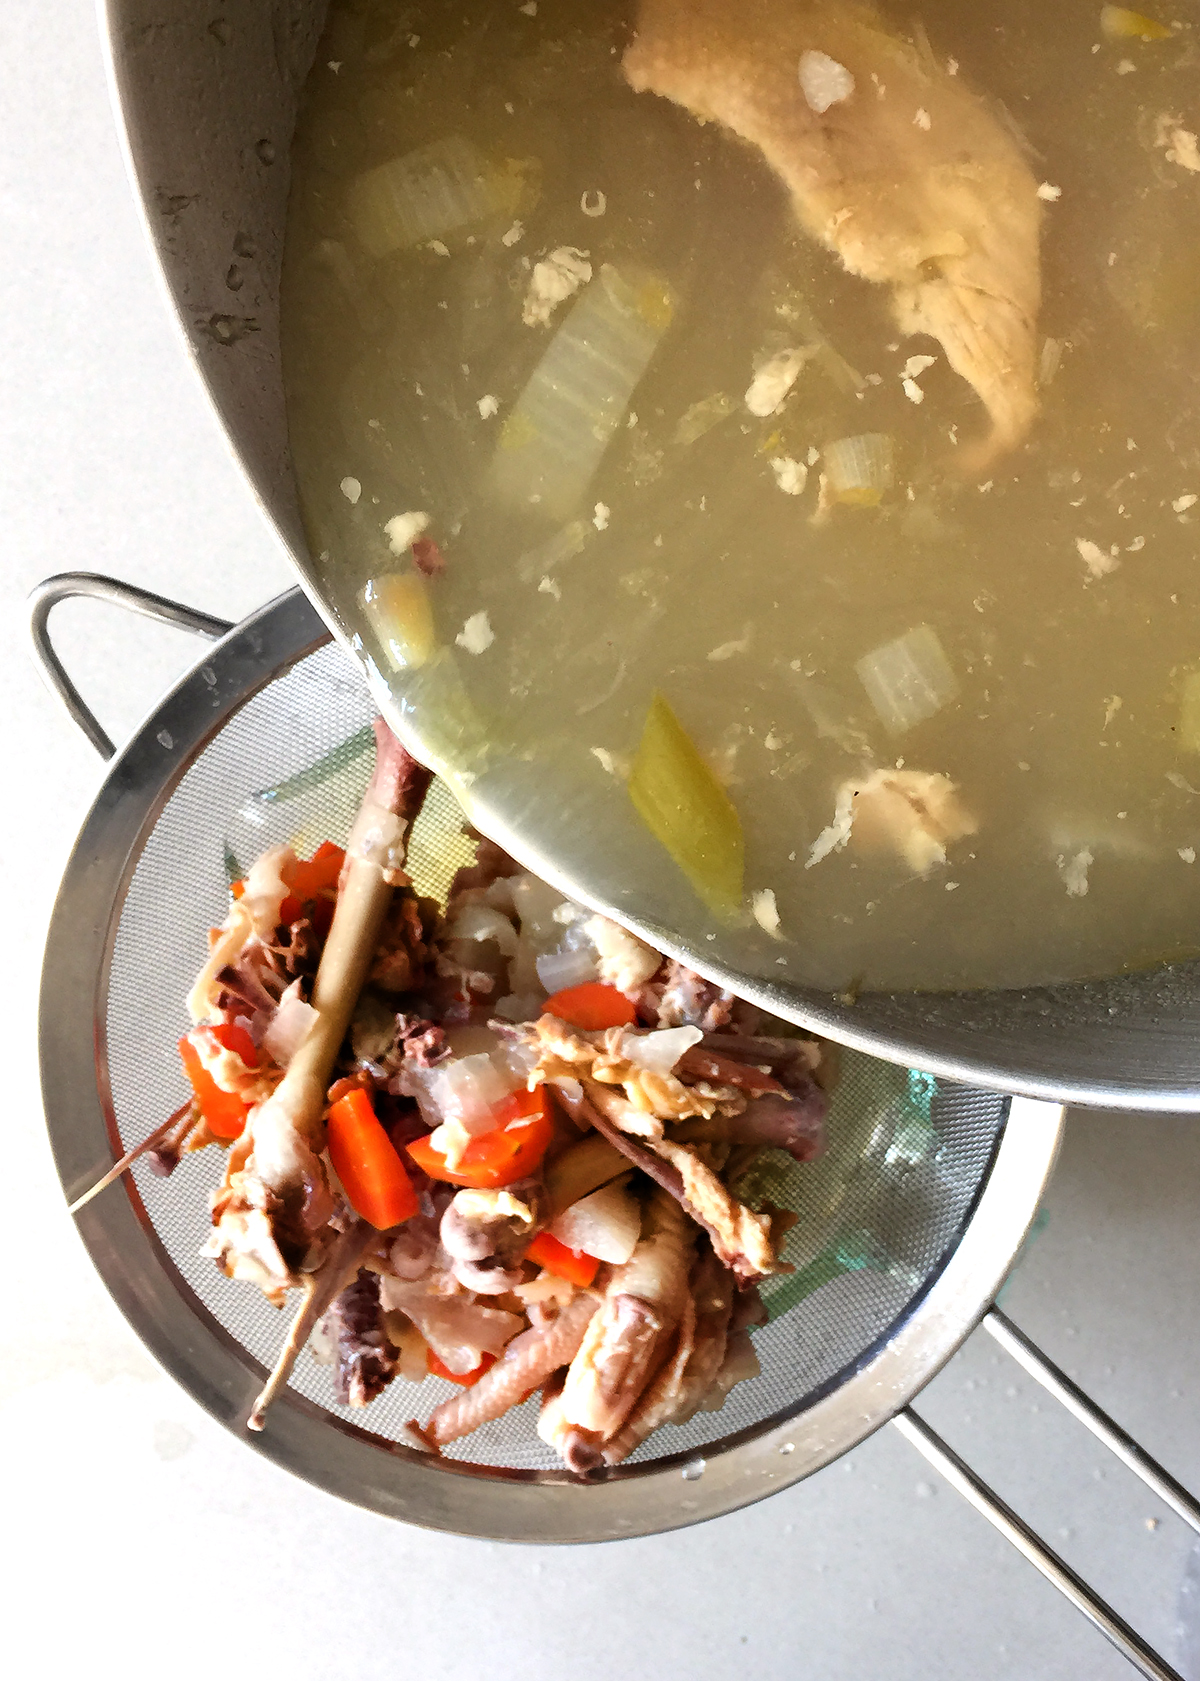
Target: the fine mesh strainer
pixel 905 1228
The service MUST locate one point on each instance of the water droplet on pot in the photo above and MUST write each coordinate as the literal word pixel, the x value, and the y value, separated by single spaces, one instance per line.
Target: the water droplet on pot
pixel 693 1470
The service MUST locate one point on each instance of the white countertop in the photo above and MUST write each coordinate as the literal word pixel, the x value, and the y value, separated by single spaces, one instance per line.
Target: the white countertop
pixel 131 1515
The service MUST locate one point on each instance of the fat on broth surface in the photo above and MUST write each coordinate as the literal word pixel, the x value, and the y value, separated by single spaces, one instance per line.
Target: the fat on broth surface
pixel 666 539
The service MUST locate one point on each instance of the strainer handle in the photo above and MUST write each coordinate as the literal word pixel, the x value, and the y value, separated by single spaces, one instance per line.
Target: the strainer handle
pixel 62 587
pixel 1014 1528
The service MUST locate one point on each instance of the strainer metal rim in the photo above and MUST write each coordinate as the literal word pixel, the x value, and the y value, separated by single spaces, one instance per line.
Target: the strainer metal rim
pixel 334 1455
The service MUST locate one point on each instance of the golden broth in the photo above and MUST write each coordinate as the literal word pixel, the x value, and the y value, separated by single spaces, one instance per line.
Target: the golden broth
pixel 683 550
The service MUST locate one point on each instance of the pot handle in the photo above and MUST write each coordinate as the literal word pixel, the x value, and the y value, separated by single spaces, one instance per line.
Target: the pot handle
pixel 972 1487
pixel 62 587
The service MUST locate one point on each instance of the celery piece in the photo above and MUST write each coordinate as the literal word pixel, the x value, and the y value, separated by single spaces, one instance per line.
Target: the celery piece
pixel 1189 713
pixel 560 426
pixel 437 191
pixel 859 469
pixel 398 607
pixel 687 811
pixel 1118 23
pixel 909 679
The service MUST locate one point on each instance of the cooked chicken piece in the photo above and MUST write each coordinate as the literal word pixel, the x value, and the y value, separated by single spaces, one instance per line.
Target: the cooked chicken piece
pixel 487 1233
pixel 526 1362
pixel 271 1213
pixel 366 1359
pixel 914 813
pixel 741 1238
pixel 660 1402
pixel 631 1334
pixel 459 1329
pixel 891 163
pixel 612 1058
pixel 689 1374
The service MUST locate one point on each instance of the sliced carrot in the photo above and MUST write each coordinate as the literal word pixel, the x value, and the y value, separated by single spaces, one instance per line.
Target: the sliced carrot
pixel 516 1146
pixel 368 1163
pixel 223 1111
pixel 466 1379
pixel 576 1264
pixel 592 1006
pixel 319 873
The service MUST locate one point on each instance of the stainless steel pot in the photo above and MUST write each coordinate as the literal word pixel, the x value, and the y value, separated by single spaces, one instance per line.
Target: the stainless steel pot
pixel 208 108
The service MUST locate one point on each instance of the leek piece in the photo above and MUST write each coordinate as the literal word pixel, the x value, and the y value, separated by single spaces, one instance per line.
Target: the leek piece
pixel 560 426
pixel 1120 24
pixel 859 469
pixel 1189 713
pixel 398 608
pixel 909 679
pixel 687 811
pixel 441 189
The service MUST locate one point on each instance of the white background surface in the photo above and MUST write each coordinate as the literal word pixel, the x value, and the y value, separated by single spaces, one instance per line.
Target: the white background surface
pixel 144 1540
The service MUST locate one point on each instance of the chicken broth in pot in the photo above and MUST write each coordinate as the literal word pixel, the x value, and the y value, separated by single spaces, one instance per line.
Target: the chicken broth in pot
pixel 769 430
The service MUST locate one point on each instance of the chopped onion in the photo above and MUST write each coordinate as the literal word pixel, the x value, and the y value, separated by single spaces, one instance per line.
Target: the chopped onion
pixel 659 1052
pixel 606 1224
pixel 519 1006
pixel 467 1091
pixel 858 470
pixel 563 968
pixel 475 920
pixel 441 189
pixel 909 679
pixel 457 1328
pixel 289 1027
pixel 563 421
pixel 536 902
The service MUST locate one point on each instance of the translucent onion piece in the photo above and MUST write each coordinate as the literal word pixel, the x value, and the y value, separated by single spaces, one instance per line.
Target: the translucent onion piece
pixel 536 903
pixel 561 424
pixel 441 189
pixel 399 611
pixel 559 969
pixel 909 679
pixel 289 1027
pixel 606 1224
pixel 519 1006
pixel 477 921
pixel 687 811
pixel 859 469
pixel 1119 24
pixel 660 1051
pixel 468 1090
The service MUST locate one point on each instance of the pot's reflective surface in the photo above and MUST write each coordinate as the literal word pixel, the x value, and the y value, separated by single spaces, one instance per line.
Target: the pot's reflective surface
pixel 209 108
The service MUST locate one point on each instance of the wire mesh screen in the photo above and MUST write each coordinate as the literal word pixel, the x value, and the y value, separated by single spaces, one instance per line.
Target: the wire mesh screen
pixel 877 1216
